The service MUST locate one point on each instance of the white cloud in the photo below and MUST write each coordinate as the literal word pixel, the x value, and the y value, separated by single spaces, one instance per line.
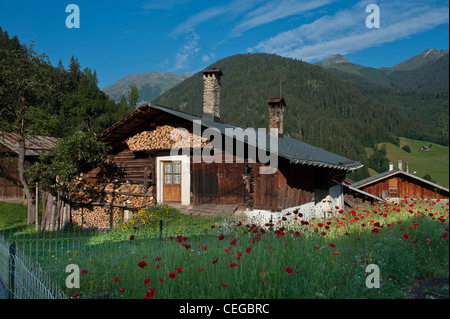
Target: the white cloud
pixel 189 49
pixel 346 32
pixel 275 10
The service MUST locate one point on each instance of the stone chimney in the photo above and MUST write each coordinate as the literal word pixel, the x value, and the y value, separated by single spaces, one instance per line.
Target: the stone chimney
pixel 391 166
pixel 276 111
pixel 211 93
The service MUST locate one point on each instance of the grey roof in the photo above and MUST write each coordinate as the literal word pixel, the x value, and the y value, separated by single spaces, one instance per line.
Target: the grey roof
pixel 34 145
pixel 380 176
pixel 294 150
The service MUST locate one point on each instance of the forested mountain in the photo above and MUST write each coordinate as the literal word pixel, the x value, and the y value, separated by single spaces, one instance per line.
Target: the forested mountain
pixel 150 85
pixel 38 98
pixel 417 87
pixel 321 110
pixel 425 72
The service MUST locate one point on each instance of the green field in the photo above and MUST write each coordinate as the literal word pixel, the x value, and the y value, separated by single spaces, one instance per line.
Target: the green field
pixel 434 162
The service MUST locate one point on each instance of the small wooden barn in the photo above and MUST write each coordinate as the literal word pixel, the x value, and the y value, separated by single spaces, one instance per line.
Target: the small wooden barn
pixel 10 187
pixel 143 169
pixel 397 183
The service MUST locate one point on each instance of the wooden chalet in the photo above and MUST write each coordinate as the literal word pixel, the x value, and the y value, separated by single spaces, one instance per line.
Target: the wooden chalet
pixel 141 155
pixel 397 183
pixel 10 187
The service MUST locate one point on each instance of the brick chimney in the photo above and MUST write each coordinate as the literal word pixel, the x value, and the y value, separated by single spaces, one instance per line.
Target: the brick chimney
pixel 276 111
pixel 211 93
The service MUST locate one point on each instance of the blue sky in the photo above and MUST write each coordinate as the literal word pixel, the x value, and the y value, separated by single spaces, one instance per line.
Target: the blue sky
pixel 117 38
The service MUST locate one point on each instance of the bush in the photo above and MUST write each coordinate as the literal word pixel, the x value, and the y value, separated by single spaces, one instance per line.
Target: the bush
pixel 406 148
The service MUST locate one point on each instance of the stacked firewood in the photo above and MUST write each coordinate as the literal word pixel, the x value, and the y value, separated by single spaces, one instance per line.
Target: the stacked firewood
pixel 96 217
pixel 102 205
pixel 165 137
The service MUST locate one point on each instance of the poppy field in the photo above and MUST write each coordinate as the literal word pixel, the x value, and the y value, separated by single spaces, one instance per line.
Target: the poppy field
pixel 293 257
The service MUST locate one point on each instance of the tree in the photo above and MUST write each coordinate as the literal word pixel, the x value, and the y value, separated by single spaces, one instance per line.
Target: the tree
pixel 57 173
pixel 133 95
pixel 25 88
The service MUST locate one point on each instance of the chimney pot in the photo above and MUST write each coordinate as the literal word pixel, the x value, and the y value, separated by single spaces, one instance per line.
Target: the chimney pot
pixel 391 166
pixel 400 166
pixel 276 113
pixel 211 93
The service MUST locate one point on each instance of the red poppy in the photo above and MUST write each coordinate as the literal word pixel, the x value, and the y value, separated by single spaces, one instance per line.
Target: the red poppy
pixel 179 269
pixel 445 235
pixel 249 249
pixel 375 230
pixel 122 289
pixel 84 271
pixel 289 270
pixel 221 237
pixel 233 242
pixel 405 236
pixel 172 275
pixel 131 237
pixel 158 266
pixel 200 269
pixel 161 280
pixel 233 265
pixel 239 254
pixel 316 248
pixel 75 295
pixel 332 245
pixel 115 278
pixel 414 242
pixel 150 293
pixel 142 264
pixel 214 261
pixel 157 258
pixel 224 285
pixel 297 234
pixel 146 281
pixel 336 253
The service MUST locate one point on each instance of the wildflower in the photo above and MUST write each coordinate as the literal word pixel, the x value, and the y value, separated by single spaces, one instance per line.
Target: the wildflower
pixel 332 245
pixel 179 269
pixel 414 242
pixel 172 275
pixel 224 285
pixel 214 261
pixel 161 280
pixel 221 237
pixel 233 264
pixel 115 278
pixel 239 254
pixel 445 235
pixel 157 258
pixel 233 242
pixel 200 269
pixel 150 293
pixel 84 271
pixel 146 281
pixel 142 264
pixel 289 270
pixel 122 289
pixel 248 250
pixel 405 236
pixel 75 295
pixel 336 253
pixel 131 237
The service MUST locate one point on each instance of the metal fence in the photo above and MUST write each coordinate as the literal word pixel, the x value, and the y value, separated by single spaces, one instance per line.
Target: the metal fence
pixel 22 277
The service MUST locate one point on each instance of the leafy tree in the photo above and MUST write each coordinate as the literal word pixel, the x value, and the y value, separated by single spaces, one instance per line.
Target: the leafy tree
pixel 57 172
pixel 25 87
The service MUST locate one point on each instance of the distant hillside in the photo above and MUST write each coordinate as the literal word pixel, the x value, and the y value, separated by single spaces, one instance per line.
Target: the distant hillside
pixel 417 87
pixel 150 84
pixel 321 109
pixel 425 72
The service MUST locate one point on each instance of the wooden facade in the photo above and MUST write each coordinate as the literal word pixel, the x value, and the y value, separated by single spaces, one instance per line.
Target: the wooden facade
pixel 400 184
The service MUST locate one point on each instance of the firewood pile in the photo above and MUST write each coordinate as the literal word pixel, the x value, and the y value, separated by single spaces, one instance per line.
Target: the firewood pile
pixel 101 205
pixel 164 137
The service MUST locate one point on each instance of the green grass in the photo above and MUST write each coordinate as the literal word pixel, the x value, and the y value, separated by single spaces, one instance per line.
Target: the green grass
pixel 317 271
pixel 434 162
pixel 12 216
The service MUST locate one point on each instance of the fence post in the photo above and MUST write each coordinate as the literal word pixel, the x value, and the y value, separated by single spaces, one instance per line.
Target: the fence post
pixel 160 228
pixel 12 269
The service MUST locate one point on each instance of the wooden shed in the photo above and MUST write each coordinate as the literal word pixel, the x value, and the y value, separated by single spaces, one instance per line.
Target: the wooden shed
pixel 143 154
pixel 10 187
pixel 397 183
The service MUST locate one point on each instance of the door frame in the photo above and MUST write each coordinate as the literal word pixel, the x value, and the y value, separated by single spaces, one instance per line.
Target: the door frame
pixel 185 177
